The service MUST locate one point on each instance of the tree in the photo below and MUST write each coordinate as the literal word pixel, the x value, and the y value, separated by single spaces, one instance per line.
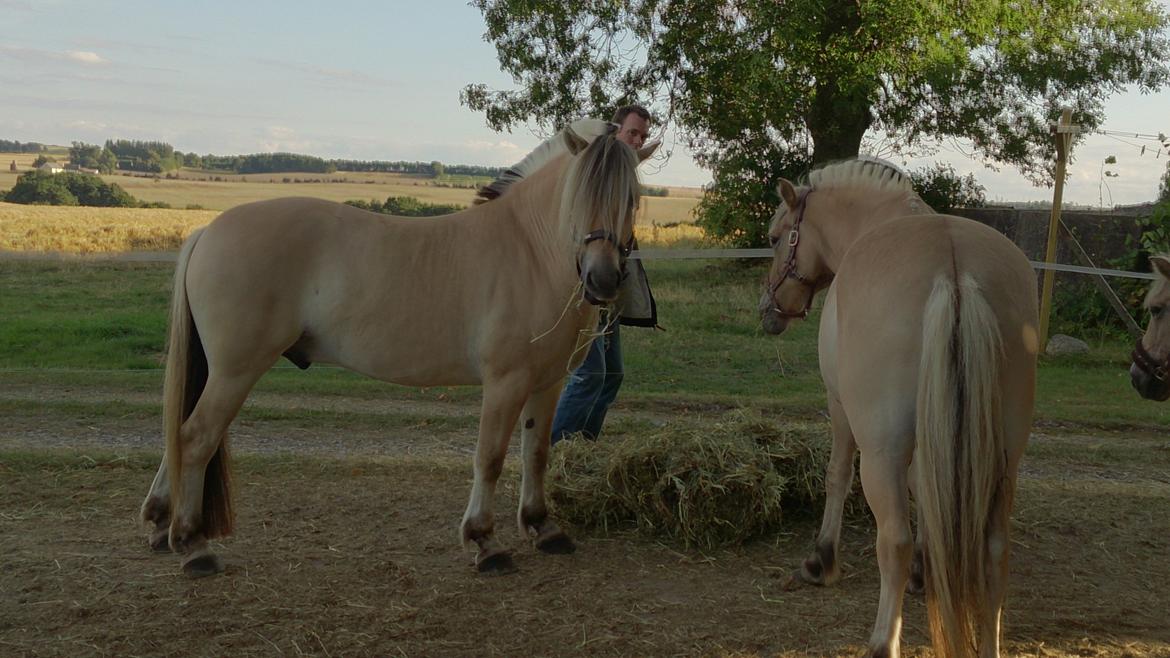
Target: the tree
pixel 944 190
pixel 437 168
pixel 749 78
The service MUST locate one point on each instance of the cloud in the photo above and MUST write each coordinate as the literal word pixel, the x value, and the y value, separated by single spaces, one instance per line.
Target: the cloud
pixel 33 55
pixel 325 74
pixel 85 57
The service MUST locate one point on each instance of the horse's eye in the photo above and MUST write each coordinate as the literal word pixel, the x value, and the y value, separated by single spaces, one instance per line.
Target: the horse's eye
pixel 1156 310
pixel 773 241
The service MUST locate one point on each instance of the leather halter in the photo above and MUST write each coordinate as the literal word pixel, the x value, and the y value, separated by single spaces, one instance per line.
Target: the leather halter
pixel 1145 362
pixel 623 253
pixel 789 271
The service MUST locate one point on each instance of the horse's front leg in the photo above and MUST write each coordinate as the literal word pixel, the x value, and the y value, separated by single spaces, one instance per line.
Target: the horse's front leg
pixel 537 419
pixel 823 566
pixel 502 401
pixel 156 509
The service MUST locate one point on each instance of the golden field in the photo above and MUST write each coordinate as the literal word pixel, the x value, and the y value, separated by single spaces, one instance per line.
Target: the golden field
pixel 85 230
pixel 199 188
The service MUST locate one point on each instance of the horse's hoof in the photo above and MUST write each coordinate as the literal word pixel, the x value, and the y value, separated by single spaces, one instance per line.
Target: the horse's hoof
pixel 160 541
pixel 496 564
pixel 204 565
pixel 557 543
pixel 798 579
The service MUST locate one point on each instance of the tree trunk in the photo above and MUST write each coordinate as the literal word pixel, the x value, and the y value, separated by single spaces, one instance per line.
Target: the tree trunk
pixel 837 122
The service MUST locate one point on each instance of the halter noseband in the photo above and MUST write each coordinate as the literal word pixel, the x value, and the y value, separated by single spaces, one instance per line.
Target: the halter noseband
pixel 790 266
pixel 623 253
pixel 1148 364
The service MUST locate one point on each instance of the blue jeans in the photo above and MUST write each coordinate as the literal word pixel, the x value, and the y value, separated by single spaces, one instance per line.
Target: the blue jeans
pixel 591 388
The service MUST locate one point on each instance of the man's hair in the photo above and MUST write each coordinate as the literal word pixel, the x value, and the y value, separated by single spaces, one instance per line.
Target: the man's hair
pixel 619 115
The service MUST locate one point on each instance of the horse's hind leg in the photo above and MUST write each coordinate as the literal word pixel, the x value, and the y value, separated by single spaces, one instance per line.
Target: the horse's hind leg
pixel 536 423
pixel 823 566
pixel 502 401
pixel 199 438
pixel 883 477
pixel 156 509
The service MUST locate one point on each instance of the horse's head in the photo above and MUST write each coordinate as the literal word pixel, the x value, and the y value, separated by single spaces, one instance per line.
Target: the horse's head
pixel 798 269
pixel 600 197
pixel 1150 372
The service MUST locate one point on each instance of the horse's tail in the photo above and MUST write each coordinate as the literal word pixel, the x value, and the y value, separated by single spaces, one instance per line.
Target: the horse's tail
pixel 186 376
pixel 960 460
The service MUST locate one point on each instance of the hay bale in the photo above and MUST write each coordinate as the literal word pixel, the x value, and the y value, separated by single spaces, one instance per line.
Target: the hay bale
pixel 706 486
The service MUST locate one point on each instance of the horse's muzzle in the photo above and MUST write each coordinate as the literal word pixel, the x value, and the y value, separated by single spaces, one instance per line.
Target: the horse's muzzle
pixel 1148 386
pixel 601 284
pixel 773 322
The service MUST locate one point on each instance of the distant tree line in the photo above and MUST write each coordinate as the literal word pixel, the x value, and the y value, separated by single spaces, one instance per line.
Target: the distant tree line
pixel 406 206
pixel 11 146
pixel 433 168
pixel 71 189
pixel 159 157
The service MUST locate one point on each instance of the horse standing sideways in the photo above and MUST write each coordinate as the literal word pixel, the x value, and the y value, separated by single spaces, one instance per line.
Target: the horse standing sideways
pixel 490 295
pixel 1150 372
pixel 928 342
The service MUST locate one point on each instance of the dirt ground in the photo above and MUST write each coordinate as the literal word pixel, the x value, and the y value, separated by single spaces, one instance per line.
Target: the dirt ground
pixel 346 545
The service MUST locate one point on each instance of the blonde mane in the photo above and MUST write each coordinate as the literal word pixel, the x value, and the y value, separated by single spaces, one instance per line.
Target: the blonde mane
pixel 601 185
pixel 547 151
pixel 867 174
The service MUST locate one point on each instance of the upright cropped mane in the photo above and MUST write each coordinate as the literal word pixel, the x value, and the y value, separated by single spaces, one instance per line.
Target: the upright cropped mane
pixel 587 129
pixel 868 174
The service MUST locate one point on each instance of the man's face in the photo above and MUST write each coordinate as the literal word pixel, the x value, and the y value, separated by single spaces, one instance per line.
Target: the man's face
pixel 634 130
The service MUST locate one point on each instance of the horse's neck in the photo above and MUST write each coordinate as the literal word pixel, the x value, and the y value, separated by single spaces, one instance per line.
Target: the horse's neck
pixel 853 217
pixel 531 211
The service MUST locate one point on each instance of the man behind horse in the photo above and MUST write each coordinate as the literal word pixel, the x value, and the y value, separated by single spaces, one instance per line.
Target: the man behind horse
pixel 593 386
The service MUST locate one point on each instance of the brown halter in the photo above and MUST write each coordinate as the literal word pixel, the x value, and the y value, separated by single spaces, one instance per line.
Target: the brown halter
pixel 623 254
pixel 1148 364
pixel 790 266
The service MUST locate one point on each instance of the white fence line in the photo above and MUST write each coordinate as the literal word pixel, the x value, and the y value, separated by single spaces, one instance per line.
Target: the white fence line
pixel 644 254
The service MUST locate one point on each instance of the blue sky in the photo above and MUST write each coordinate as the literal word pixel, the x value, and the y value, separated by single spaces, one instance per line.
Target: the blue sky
pixel 366 80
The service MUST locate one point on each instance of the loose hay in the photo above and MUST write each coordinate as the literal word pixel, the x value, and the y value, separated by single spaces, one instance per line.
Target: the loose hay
pixel 720 485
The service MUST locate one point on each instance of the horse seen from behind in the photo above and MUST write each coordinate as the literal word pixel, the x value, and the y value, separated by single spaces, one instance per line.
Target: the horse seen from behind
pixel 927 343
pixel 1150 371
pixel 492 295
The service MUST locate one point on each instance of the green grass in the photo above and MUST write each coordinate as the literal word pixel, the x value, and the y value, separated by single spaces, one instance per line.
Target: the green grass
pixel 101 326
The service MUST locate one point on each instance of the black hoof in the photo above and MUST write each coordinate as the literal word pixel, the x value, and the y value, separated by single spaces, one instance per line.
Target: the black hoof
pixel 557 543
pixel 496 564
pixel 160 541
pixel 202 566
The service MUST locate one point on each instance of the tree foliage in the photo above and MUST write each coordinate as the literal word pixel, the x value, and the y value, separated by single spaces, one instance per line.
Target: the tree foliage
pixel 68 189
pixel 944 190
pixel 748 79
pixel 406 206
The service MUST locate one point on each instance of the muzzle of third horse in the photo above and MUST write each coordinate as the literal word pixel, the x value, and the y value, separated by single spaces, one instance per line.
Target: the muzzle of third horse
pixel 1147 385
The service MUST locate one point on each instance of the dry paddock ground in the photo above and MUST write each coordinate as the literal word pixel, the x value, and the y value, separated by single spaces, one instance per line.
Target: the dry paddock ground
pixel 346 546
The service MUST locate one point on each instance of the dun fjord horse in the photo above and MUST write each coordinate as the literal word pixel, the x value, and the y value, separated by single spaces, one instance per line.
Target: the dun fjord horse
pixel 1150 372
pixel 928 342
pixel 491 296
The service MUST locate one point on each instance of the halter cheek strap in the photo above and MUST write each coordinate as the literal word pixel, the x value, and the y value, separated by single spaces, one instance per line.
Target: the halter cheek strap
pixel 789 271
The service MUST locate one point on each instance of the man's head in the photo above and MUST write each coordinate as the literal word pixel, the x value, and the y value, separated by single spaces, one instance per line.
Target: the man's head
pixel 634 125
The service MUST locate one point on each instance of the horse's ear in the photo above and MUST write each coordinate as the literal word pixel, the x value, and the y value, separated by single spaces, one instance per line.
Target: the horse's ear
pixel 575 142
pixel 1162 264
pixel 648 150
pixel 787 191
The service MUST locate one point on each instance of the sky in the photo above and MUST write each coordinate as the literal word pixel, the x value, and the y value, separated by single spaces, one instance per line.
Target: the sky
pixel 373 80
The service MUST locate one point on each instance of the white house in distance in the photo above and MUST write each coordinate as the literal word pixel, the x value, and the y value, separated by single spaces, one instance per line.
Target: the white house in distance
pixel 51 168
